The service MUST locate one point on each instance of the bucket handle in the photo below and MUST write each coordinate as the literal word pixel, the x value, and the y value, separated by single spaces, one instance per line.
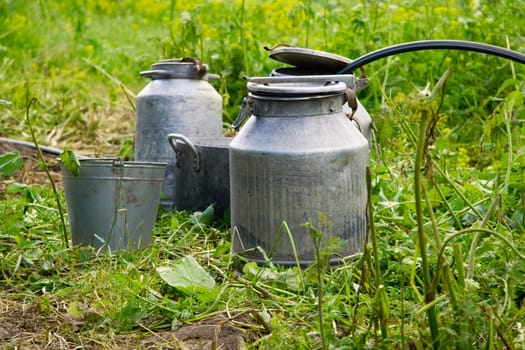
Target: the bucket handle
pixel 175 139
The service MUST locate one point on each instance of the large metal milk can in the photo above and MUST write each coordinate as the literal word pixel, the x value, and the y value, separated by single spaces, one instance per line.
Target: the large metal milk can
pixel 179 99
pixel 297 158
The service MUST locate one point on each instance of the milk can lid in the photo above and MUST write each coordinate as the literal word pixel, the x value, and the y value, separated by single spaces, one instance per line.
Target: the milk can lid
pixel 309 59
pixel 273 86
pixel 181 68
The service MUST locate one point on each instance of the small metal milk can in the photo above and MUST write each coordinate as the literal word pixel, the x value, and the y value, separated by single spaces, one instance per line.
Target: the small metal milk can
pixel 179 99
pixel 297 159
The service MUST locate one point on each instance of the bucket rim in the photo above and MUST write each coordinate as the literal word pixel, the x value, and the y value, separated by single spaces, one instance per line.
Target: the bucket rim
pixel 105 161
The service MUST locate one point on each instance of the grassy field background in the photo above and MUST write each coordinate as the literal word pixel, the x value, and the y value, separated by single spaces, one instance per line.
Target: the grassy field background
pixel 63 52
pixel 81 61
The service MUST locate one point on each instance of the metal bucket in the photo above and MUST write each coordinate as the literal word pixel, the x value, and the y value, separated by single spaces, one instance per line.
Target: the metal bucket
pixel 202 173
pixel 297 157
pixel 178 99
pixel 113 204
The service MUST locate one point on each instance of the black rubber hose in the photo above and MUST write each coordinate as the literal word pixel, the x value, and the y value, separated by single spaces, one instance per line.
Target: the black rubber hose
pixel 433 45
pixel 44 149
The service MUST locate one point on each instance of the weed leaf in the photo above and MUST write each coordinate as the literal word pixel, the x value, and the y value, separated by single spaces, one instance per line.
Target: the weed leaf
pixel 70 161
pixel 187 276
pixel 289 279
pixel 126 150
pixel 205 217
pixel 10 162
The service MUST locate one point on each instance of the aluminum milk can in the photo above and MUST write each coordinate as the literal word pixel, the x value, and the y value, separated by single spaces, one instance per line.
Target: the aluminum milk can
pixel 297 157
pixel 178 99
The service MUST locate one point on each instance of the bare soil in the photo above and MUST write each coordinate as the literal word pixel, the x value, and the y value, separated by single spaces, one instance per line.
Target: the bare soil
pixel 23 325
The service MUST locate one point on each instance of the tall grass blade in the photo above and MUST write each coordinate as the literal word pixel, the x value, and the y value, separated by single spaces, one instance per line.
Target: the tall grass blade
pixel 421 237
pixel 381 296
pixel 65 238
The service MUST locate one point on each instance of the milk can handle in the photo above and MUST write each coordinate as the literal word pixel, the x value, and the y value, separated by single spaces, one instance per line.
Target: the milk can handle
pixel 245 111
pixel 157 73
pixel 178 138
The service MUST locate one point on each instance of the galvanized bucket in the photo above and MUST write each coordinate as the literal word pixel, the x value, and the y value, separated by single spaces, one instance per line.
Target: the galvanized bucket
pixel 113 204
pixel 295 159
pixel 202 172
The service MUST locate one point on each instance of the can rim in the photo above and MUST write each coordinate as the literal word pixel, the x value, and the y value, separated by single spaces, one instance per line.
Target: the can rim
pixel 298 88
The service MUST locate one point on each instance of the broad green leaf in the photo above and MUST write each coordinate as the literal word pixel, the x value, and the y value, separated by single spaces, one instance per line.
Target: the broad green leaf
pixel 126 150
pixel 10 163
pixel 203 217
pixel 70 161
pixel 186 276
pixel 289 279
pixel 23 189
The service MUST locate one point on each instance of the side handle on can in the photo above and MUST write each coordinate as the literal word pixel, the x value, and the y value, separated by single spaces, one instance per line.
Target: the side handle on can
pixel 157 74
pixel 176 139
pixel 245 111
pixel 351 99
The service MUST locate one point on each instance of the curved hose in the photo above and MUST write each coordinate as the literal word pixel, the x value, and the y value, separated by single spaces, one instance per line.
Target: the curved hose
pixel 31 145
pixel 433 45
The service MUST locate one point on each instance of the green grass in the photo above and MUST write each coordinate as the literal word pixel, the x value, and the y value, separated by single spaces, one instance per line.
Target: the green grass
pixel 79 58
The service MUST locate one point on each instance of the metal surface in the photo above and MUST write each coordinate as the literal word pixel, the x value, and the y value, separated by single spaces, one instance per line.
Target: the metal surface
pixel 294 159
pixel 309 59
pixel 356 112
pixel 294 86
pixel 177 68
pixel 361 117
pixel 202 173
pixel 316 80
pixel 113 204
pixel 179 101
pixel 175 140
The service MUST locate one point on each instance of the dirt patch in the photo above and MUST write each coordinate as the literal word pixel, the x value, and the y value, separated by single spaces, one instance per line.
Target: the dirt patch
pixel 217 332
pixel 23 325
